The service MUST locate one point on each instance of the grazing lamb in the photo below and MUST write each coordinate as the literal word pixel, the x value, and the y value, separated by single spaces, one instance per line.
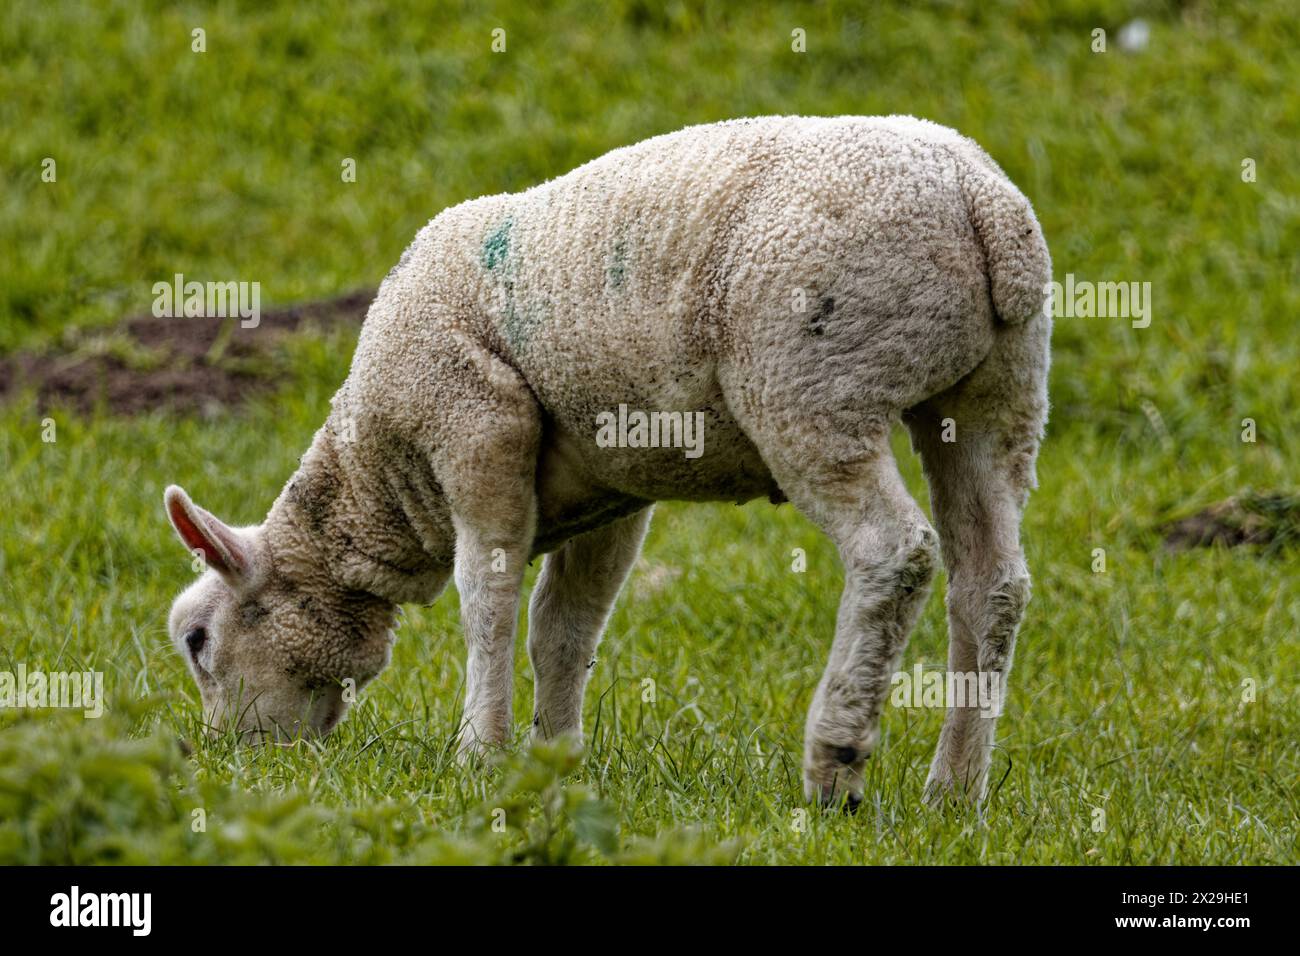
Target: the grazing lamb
pixel 800 285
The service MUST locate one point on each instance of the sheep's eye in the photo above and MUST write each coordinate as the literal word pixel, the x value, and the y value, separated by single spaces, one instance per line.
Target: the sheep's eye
pixel 195 638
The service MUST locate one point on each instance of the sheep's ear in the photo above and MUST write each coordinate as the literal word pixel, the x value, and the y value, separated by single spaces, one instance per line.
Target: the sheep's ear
pixel 222 546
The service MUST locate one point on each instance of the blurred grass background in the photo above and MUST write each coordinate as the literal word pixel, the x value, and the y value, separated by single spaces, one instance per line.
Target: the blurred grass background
pixel 1127 693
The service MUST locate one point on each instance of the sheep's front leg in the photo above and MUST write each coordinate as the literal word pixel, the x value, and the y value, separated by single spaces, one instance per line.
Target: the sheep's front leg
pixel 571 602
pixel 490 561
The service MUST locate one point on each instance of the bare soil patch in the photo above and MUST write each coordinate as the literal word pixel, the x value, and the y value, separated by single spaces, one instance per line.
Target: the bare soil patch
pixel 1270 520
pixel 183 365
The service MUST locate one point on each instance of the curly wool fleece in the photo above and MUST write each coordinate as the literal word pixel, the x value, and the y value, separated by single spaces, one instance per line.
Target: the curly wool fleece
pixel 800 285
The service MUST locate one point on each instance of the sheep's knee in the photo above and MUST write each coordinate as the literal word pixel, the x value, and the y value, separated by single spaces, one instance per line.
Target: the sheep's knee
pixel 920 558
pixel 899 576
pixel 1004 606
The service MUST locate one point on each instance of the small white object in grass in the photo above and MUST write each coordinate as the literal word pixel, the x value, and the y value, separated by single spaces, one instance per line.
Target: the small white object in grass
pixel 1134 36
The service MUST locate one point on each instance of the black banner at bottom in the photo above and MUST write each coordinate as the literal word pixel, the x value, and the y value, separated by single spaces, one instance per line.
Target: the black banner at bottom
pixel 340 905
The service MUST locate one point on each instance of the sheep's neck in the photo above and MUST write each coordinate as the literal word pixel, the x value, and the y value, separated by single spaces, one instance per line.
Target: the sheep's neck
pixel 372 529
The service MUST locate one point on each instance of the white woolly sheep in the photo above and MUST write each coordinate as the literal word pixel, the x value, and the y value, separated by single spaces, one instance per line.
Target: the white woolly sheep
pixel 800 285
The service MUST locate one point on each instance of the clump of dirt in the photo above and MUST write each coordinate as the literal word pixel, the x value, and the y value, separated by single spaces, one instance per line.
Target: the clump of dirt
pixel 179 364
pixel 1270 520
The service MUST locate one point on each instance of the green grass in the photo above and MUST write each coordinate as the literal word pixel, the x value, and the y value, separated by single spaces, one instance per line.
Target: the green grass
pixel 1128 690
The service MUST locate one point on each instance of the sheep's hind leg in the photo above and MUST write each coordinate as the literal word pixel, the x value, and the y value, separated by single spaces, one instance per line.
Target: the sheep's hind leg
pixel 977 511
pixel 571 602
pixel 979 484
pixel 888 551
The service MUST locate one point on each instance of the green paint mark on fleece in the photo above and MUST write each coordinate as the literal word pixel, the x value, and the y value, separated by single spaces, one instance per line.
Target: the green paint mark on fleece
pixel 617 270
pixel 497 246
pixel 520 325
pixel 517 320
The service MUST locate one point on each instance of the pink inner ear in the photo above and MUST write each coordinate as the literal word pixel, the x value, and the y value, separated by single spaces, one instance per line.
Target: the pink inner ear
pixel 199 536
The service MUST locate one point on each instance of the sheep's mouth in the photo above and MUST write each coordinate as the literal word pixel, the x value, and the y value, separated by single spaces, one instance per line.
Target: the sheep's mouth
pixel 325 713
pixel 332 718
pixel 201 674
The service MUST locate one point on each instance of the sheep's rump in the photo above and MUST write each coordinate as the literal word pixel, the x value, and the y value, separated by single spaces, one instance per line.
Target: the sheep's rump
pixel 867 260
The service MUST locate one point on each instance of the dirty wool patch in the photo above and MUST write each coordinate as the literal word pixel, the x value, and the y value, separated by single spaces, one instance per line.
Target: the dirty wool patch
pixel 182 365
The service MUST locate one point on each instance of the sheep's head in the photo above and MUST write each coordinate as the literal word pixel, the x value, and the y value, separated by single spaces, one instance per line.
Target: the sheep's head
pixel 275 645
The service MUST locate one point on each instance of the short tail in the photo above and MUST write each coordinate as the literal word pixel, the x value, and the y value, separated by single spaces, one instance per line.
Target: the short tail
pixel 1019 264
